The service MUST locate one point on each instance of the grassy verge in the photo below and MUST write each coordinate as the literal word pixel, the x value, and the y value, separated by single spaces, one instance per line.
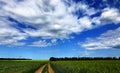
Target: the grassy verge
pixel 45 70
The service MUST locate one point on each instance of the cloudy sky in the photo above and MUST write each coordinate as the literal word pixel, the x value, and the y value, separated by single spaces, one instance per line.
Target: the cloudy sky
pixel 39 29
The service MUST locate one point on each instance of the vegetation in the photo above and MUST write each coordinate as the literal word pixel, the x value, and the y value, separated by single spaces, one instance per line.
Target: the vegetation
pixel 14 59
pixel 63 65
pixel 87 66
pixel 20 66
pixel 84 58
pixel 45 70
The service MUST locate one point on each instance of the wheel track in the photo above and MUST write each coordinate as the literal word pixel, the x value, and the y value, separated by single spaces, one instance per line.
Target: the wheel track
pixel 40 70
pixel 50 70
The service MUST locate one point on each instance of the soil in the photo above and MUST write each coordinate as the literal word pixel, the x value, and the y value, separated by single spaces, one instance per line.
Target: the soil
pixel 40 69
pixel 50 70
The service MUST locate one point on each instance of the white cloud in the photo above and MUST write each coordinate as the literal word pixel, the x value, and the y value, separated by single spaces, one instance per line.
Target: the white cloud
pixel 86 21
pixel 10 35
pixel 82 7
pixel 54 41
pixel 110 15
pixel 41 43
pixel 44 43
pixel 107 40
pixel 52 19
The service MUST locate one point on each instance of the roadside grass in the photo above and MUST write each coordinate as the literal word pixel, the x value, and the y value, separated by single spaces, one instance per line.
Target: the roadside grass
pixel 45 70
pixel 20 66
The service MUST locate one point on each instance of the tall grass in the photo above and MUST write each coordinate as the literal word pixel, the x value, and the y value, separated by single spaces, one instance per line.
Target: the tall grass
pixel 92 66
pixel 8 66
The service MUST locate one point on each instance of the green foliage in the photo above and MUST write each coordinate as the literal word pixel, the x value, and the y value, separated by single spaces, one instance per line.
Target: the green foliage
pixel 24 66
pixel 89 66
pixel 45 70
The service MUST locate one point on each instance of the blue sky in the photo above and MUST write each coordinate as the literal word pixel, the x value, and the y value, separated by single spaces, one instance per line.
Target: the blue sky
pixel 39 29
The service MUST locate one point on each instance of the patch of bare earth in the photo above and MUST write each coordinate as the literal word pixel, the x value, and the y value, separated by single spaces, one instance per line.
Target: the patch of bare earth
pixel 50 70
pixel 40 69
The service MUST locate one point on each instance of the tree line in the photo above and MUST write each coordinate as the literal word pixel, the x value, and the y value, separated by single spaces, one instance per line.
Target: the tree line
pixel 15 59
pixel 84 58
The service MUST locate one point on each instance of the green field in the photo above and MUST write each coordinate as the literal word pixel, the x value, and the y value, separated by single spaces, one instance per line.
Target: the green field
pixel 89 66
pixel 82 66
pixel 24 66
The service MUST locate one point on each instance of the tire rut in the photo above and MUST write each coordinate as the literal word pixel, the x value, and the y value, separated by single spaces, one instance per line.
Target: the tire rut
pixel 50 70
pixel 40 70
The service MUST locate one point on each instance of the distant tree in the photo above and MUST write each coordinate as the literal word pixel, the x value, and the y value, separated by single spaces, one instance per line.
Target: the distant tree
pixel 84 58
pixel 14 59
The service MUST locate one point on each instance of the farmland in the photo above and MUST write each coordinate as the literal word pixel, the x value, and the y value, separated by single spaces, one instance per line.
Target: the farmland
pixel 20 66
pixel 88 66
pixel 69 66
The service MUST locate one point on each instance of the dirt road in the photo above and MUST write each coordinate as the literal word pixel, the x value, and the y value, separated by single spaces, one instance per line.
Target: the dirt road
pixel 40 69
pixel 50 70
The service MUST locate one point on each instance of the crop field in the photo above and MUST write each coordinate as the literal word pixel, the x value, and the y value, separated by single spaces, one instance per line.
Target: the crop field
pixel 24 66
pixel 89 66
pixel 81 66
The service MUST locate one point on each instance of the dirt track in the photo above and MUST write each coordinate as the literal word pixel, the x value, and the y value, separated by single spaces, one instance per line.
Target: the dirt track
pixel 40 69
pixel 50 70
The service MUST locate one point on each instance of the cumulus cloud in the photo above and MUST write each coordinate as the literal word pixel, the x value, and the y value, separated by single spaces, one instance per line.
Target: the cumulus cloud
pixel 10 35
pixel 86 21
pixel 44 43
pixel 51 19
pixel 80 6
pixel 107 40
pixel 110 15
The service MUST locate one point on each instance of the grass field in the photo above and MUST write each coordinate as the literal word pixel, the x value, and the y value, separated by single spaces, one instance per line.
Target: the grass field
pixel 82 66
pixel 24 66
pixel 89 66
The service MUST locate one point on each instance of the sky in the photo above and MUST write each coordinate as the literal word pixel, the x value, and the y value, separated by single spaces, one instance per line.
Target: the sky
pixel 40 29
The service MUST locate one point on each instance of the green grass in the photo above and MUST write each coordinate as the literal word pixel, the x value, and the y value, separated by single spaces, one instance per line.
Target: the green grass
pixel 89 66
pixel 20 66
pixel 45 70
